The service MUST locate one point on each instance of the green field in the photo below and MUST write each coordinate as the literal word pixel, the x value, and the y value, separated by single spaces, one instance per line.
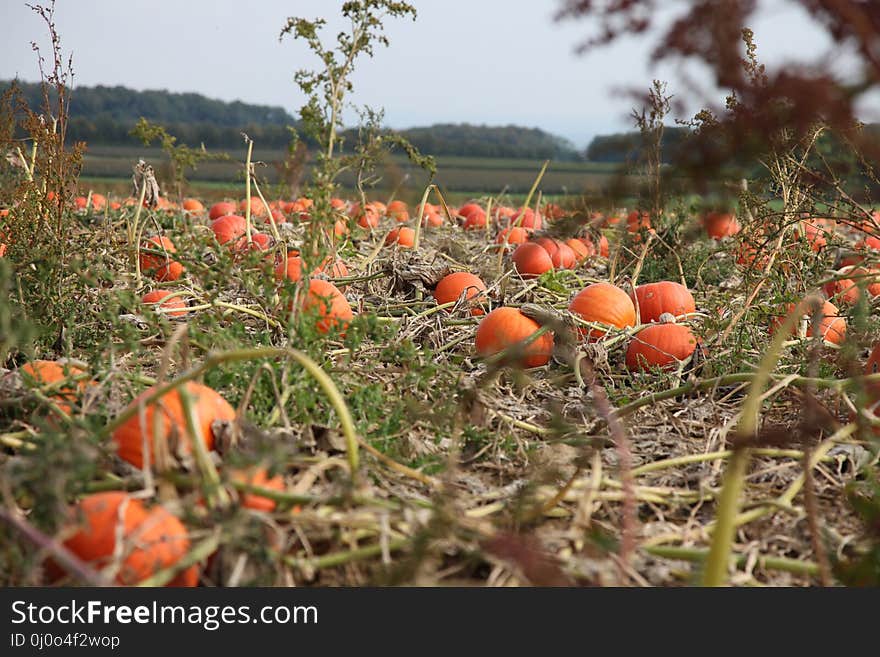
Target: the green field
pixel 110 167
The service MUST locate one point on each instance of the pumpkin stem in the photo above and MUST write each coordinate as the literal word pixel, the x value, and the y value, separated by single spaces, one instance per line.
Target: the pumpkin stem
pixel 666 318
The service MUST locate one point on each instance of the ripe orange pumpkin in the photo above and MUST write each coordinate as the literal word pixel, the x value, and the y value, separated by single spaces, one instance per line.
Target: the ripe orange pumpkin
pixel 404 237
pixel 161 267
pixel 369 217
pixel 259 242
pixel 193 206
pixel 115 529
pixel 398 211
pixel 99 201
pixel 46 372
pixel 173 307
pixel 452 286
pixel 258 476
pixel 817 232
pixel 506 327
pixel 603 303
pixel 291 269
pixel 719 225
pixel 663 297
pixel 560 253
pixel 526 218
pixel 581 248
pixel 661 345
pixel 842 291
pixel 258 208
pixel 229 227
pixel 474 216
pixel 531 260
pixel 331 306
pixel 171 423
pixel 221 209
pixel 832 327
pixel 511 235
pixel 636 221
pixel 872 366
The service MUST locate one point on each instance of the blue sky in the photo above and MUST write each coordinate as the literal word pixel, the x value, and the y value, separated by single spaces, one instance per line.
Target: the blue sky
pixel 479 61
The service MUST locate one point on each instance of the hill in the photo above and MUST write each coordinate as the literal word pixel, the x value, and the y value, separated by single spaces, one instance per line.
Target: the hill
pixel 105 115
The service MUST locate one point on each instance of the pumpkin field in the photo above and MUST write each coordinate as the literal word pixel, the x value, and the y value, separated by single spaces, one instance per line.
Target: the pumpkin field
pixel 342 388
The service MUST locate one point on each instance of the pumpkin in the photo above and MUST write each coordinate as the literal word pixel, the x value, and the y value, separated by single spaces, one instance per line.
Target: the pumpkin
pixel 258 208
pixel 832 327
pixel 531 260
pixel 404 237
pixel 560 253
pixel 873 364
pixel 603 303
pixel 368 218
pixel 160 266
pixel 817 232
pixel 504 328
pixel 331 307
pixel 259 242
pixel 208 406
pixel 173 307
pixel 279 218
pixel 258 476
pixel 581 248
pixel 432 218
pixel 719 225
pixel 221 209
pixel 40 373
pixel 452 286
pixel 663 297
pixel 193 206
pixel 398 211
pixel 116 530
pixel 526 218
pixel 475 218
pixel 661 345
pixel 99 201
pixel 290 269
pixel 511 235
pixel 636 221
pixel 229 227
pixel 603 246
pixel 842 291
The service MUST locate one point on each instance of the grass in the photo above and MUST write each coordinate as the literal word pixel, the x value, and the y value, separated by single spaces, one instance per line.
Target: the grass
pixel 407 459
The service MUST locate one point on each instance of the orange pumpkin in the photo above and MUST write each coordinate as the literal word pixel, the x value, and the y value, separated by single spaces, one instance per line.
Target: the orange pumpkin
pixel 46 372
pixel 452 286
pixel 404 237
pixel 398 211
pixel 526 218
pixel 221 209
pixel 719 225
pixel 193 206
pixel 531 260
pixel 229 227
pixel 259 242
pixel 661 345
pixel 474 216
pixel 369 217
pixel 170 422
pixel 115 530
pixel 560 253
pixel 873 364
pixel 603 303
pixel 511 235
pixel 258 208
pixel 832 327
pixel 160 266
pixel 258 476
pixel 331 307
pixel 663 297
pixel 636 221
pixel 817 232
pixel 291 269
pixel 581 248
pixel 173 307
pixel 504 328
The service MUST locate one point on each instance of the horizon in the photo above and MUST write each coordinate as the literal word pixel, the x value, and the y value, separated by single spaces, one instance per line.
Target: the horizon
pixel 454 71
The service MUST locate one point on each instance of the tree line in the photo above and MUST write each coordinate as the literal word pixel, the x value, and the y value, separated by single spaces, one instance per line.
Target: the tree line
pixel 106 115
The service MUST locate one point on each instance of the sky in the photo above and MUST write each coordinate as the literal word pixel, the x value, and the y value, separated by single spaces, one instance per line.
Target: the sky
pixel 494 62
